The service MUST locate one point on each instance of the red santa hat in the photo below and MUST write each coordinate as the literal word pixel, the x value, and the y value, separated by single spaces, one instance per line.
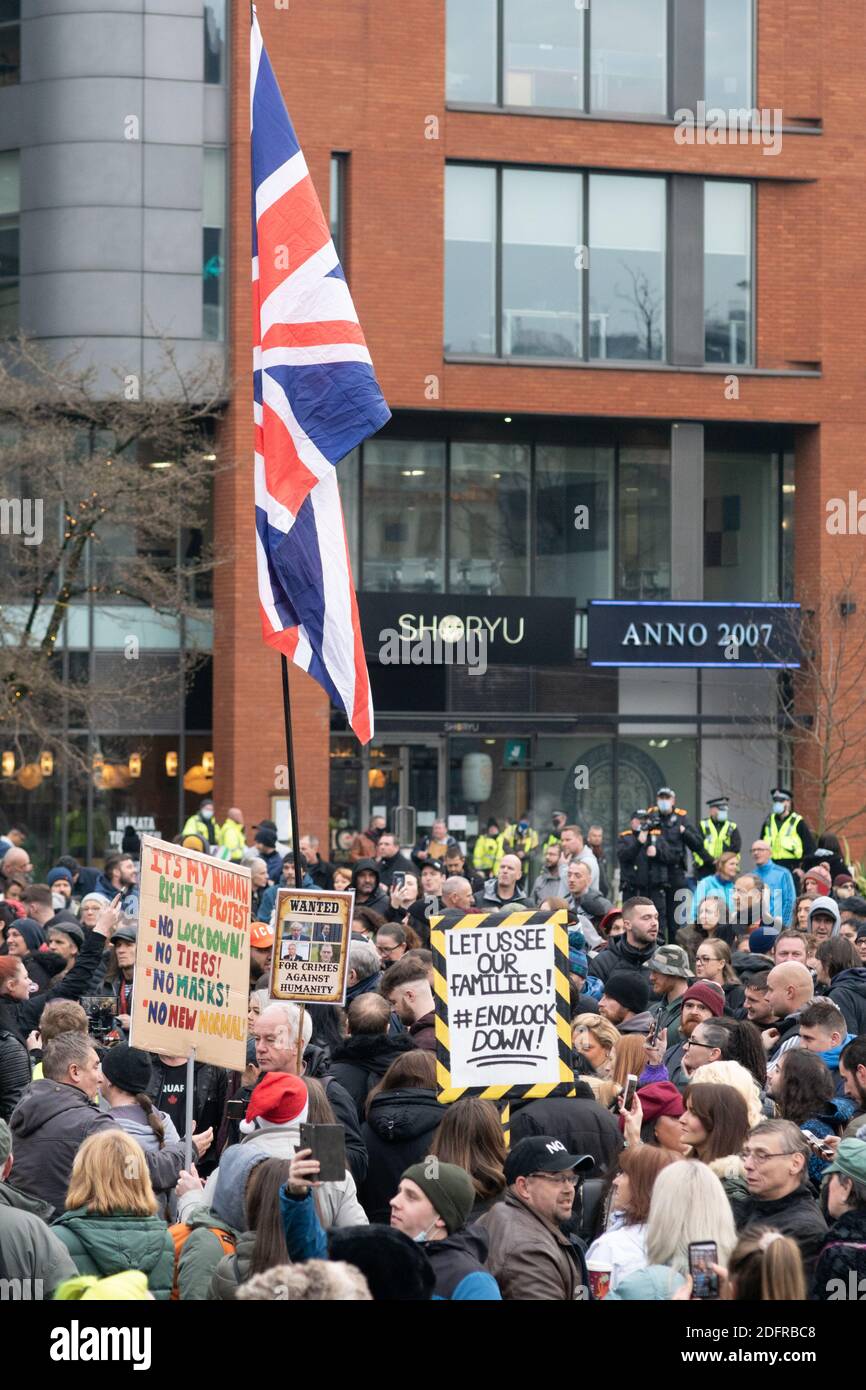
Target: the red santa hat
pixel 278 1099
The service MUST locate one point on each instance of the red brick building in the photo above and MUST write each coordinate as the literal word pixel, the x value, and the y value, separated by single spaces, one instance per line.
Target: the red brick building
pixel 731 427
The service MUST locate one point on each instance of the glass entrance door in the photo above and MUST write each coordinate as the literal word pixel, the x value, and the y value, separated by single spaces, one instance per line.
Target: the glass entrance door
pixel 403 773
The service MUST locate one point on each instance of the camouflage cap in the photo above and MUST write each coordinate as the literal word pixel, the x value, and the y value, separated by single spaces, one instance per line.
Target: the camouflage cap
pixel 671 960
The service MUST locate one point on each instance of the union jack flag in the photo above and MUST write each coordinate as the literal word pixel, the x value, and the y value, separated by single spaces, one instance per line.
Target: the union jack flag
pixel 315 398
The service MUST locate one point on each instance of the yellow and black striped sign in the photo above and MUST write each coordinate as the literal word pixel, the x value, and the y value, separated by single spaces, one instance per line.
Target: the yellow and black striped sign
pixel 455 920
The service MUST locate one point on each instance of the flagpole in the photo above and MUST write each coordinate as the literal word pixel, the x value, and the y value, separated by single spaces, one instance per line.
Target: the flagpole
pixel 293 789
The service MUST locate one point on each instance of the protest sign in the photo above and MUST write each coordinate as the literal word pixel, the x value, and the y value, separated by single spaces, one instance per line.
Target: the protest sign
pixel 192 963
pixel 502 1005
pixel 311 945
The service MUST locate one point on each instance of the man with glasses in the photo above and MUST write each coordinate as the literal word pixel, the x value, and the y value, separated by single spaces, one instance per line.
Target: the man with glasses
pixel 705 1045
pixel 701 1001
pixel 776 1161
pixel 530 1257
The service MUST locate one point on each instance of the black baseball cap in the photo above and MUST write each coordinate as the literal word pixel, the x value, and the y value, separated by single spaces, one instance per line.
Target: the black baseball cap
pixel 543 1154
pixel 433 864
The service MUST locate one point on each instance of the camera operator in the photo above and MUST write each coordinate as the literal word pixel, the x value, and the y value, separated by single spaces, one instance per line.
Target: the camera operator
pixel 646 862
pixel 677 835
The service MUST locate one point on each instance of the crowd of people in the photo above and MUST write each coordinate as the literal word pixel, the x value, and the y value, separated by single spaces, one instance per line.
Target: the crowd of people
pixel 718 1106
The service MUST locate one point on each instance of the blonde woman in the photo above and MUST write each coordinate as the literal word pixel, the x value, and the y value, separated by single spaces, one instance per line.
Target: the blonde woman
pixel 688 1204
pixel 594 1039
pixel 733 1074
pixel 110 1223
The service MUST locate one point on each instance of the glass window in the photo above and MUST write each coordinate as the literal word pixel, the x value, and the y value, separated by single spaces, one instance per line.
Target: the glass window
pixel 644 524
pixel 213 245
pixel 348 478
pixel 627 231
pixel 338 203
pixel 10 42
pixel 489 518
pixel 541 281
pixel 543 54
pixel 728 54
pixel 10 204
pixel 789 491
pixel 728 271
pixel 404 493
pixel 628 56
pixel 741 526
pixel 471 51
pixel 470 259
pixel 574 522
pixel 214 41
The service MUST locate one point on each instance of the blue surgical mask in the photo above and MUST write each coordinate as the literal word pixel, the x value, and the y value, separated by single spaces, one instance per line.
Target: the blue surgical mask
pixel 207 814
pixel 423 1235
pixel 778 807
pixel 721 814
pixel 665 804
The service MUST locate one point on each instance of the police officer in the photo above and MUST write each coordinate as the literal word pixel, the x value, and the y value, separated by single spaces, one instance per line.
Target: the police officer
pixel 558 819
pixel 678 836
pixel 789 837
pixel 488 849
pixel 718 834
pixel 633 870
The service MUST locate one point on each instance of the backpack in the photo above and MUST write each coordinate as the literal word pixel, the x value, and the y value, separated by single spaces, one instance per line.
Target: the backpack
pixel 180 1233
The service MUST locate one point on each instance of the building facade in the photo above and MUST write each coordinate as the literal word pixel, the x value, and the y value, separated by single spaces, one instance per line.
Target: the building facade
pixel 605 257
pixel 591 251
pixel 113 215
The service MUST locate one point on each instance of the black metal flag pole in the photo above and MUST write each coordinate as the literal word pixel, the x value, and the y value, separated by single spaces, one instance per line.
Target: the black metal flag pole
pixel 293 790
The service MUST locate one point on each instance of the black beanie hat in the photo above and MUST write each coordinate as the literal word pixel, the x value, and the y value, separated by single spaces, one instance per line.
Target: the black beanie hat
pixel 127 1068
pixel 628 988
pixel 395 1267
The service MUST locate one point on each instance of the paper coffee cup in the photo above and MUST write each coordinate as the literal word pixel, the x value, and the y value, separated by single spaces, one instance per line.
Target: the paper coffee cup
pixel 599 1272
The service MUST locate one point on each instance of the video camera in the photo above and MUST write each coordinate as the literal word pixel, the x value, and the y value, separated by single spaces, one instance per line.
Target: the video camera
pixel 101 1015
pixel 649 820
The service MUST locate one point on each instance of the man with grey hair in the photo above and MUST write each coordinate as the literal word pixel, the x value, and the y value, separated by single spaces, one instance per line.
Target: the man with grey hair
pixel 276 1039
pixel 776 1163
pixel 259 881
pixel 583 897
pixel 364 970
pixel 457 892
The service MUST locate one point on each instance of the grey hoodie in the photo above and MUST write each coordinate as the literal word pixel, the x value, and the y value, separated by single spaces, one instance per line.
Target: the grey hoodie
pixel 828 905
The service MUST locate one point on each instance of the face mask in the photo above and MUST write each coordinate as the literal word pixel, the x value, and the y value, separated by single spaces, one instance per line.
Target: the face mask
pixel 207 815
pixel 523 826
pixel 722 815
pixel 423 1235
pixel 665 805
pixel 58 902
pixel 778 807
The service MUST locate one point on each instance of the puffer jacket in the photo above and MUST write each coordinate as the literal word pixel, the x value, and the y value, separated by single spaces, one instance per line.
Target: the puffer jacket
pixel 104 1245
pixel 841 1263
pixel 848 992
pixel 397 1131
pixel 583 1126
pixel 619 955
pixel 360 1062
pixel 14 1072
